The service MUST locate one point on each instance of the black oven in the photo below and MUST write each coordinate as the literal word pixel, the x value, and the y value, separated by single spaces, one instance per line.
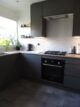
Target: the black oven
pixel 53 70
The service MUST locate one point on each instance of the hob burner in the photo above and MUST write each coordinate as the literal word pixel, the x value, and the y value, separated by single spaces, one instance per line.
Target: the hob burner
pixel 55 52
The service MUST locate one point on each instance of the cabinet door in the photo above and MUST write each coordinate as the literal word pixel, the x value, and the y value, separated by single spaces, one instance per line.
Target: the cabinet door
pixel 76 24
pixel 72 82
pixel 72 69
pixel 54 7
pixel 76 19
pixel 19 66
pixel 8 71
pixel 32 66
pixel 37 20
pixel 77 6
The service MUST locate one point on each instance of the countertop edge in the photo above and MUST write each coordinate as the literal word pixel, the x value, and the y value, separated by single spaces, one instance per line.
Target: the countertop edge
pixel 75 56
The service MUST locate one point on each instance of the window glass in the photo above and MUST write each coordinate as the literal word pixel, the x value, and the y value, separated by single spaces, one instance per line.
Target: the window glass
pixel 8 31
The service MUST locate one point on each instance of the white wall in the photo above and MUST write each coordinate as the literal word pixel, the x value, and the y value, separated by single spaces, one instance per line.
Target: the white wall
pixel 59 32
pixel 8 13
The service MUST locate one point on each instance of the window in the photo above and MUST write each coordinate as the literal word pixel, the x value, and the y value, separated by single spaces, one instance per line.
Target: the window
pixel 8 31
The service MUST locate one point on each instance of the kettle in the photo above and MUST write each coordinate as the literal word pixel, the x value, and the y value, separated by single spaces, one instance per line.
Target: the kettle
pixel 30 47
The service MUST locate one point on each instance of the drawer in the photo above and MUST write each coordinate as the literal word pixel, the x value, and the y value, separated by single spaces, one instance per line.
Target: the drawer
pixel 72 69
pixel 72 61
pixel 72 82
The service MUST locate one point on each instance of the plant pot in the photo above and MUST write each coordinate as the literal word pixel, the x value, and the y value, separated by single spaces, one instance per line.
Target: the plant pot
pixel 17 48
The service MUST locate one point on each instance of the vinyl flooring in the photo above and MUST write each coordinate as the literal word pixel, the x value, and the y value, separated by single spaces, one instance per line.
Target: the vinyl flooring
pixel 25 93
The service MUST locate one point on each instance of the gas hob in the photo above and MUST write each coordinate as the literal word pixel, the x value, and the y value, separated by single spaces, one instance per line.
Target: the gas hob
pixel 55 52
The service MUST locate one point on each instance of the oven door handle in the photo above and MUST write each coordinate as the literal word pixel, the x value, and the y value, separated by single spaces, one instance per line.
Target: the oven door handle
pixel 52 65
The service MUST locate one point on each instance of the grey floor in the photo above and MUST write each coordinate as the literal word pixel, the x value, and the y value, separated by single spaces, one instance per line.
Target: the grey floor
pixel 25 93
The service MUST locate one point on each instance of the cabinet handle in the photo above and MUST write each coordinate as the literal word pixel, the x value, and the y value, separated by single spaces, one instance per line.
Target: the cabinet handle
pixel 52 65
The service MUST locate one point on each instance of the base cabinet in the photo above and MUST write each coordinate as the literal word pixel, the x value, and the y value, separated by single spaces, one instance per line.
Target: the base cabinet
pixel 72 82
pixel 31 66
pixel 72 73
pixel 8 71
pixel 72 69
pixel 28 66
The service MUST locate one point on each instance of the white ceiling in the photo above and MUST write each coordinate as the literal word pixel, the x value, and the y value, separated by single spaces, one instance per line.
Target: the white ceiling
pixel 17 6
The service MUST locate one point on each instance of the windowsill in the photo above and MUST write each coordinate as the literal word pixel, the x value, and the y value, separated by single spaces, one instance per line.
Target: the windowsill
pixel 3 49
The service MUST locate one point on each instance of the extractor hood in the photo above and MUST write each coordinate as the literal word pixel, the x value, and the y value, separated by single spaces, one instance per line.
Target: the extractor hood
pixel 61 16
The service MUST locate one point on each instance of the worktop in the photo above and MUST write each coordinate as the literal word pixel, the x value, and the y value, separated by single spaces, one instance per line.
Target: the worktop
pixel 77 56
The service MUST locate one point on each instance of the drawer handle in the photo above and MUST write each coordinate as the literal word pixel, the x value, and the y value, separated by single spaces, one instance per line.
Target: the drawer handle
pixel 52 65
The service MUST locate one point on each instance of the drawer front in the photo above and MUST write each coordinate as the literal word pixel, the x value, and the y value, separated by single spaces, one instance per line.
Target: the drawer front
pixel 72 82
pixel 72 69
pixel 72 61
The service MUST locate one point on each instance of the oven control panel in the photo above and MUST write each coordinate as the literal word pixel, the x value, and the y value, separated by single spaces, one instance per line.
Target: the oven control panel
pixel 52 61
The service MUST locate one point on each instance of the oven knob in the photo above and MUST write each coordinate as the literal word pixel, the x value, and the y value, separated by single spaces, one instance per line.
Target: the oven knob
pixel 45 61
pixel 52 62
pixel 58 63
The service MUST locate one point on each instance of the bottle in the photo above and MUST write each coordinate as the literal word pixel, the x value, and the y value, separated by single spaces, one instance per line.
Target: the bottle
pixel 74 50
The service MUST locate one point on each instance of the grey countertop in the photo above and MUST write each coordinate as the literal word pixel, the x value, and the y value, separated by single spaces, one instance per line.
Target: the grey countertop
pixel 77 56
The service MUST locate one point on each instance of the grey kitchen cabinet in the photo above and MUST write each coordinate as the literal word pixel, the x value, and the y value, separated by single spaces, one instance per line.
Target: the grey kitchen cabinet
pixel 19 66
pixel 76 24
pixel 72 82
pixel 38 24
pixel 8 71
pixel 72 69
pixel 76 18
pixel 55 7
pixel 72 60
pixel 72 73
pixel 31 66
pixel 77 6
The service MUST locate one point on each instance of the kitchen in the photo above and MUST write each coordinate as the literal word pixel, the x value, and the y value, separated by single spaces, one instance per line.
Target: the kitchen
pixel 46 69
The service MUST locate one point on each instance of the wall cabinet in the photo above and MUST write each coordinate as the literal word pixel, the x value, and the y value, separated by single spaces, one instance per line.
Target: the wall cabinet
pixel 50 8
pixel 31 66
pixel 76 24
pixel 76 6
pixel 37 22
pixel 76 19
pixel 54 7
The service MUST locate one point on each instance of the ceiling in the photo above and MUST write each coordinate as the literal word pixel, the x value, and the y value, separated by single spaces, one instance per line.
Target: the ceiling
pixel 17 5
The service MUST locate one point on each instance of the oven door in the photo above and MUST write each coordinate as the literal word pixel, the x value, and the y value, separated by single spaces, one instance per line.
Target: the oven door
pixel 52 72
